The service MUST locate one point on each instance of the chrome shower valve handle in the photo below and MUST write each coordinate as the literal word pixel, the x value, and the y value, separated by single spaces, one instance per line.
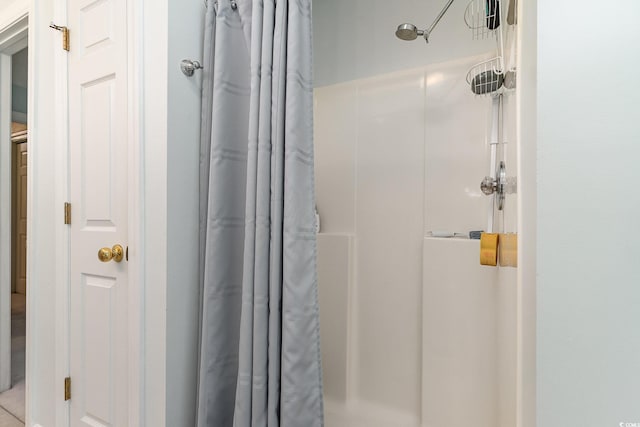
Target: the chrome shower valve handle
pixel 489 185
pixel 498 185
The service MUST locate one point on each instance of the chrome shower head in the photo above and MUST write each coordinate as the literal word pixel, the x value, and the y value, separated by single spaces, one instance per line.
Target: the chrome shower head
pixel 409 32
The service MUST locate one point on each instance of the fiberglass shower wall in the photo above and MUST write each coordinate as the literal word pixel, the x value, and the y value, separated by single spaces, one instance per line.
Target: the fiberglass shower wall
pixel 414 331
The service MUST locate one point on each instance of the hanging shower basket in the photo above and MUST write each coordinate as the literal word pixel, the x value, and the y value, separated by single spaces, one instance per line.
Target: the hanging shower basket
pixel 487 77
pixel 483 17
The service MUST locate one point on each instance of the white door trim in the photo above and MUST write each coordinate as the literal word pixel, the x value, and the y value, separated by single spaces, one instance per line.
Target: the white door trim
pixel 5 223
pixel 62 231
pixel 13 38
pixel 136 229
pixel 527 209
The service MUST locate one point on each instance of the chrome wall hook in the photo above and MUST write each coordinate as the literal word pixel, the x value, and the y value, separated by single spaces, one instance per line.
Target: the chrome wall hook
pixel 234 4
pixel 189 66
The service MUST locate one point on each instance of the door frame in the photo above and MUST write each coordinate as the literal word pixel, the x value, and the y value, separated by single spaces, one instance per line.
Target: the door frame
pixel 13 38
pixel 527 210
pixel 136 204
pixel 15 33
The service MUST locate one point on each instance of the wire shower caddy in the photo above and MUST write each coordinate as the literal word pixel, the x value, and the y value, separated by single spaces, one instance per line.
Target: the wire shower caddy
pixel 485 20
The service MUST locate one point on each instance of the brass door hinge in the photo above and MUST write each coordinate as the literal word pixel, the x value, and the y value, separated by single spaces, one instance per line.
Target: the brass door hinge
pixel 67 388
pixel 65 35
pixel 67 213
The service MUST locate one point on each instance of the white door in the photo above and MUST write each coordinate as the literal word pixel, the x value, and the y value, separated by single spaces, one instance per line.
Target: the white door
pixel 98 194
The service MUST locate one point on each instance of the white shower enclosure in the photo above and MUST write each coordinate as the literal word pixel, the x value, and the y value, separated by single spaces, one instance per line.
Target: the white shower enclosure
pixel 415 332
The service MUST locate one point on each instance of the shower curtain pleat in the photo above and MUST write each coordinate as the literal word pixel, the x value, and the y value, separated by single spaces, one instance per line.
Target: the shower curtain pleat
pixel 260 349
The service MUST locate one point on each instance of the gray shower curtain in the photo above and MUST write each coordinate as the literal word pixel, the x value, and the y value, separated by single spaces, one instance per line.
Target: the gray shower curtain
pixel 260 350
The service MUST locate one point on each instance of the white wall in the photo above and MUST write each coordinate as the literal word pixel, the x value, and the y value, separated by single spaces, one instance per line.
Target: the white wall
pixel 356 38
pixel 173 31
pixel 588 213
pixel 155 107
pixel 183 153
pixel 19 86
pixel 20 68
pixel 11 9
pixel 5 4
pixel 389 224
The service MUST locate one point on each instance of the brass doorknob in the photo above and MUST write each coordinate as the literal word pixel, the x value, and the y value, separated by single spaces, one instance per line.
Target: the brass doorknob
pixel 116 253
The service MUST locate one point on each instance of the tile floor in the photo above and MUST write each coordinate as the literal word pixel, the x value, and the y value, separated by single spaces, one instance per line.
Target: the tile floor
pixel 12 401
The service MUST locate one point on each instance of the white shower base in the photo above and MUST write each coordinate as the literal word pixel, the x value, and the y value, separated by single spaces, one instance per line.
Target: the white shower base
pixel 467 367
